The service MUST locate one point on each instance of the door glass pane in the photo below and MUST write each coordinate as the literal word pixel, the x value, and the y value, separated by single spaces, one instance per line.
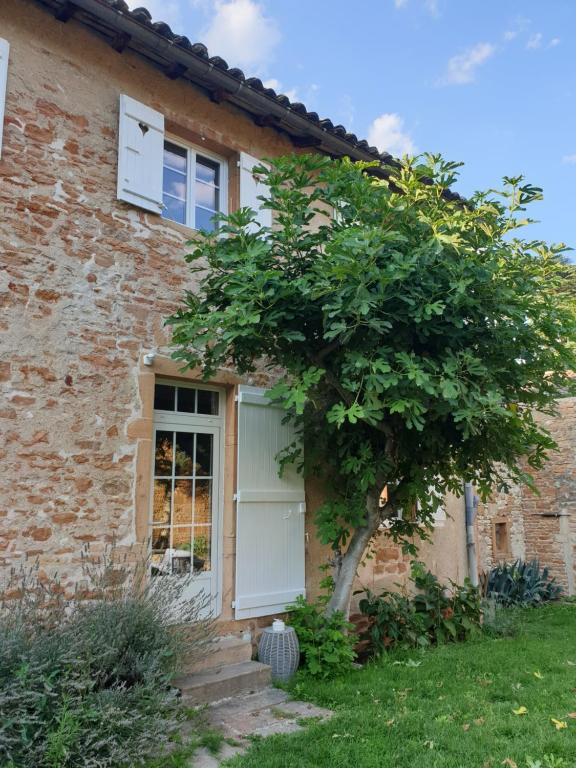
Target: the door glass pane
pixel 182 514
pixel 164 397
pixel 202 548
pixel 203 455
pixel 160 539
pixel 203 502
pixel 163 453
pixel 184 453
pixel 161 507
pixel 208 402
pixel 186 400
pixel 182 550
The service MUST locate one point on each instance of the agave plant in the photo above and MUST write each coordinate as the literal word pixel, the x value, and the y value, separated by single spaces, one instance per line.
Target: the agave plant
pixel 522 583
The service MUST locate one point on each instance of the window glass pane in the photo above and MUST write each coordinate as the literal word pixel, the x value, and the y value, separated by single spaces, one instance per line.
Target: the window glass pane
pixel 175 157
pixel 206 196
pixel 184 453
pixel 204 454
pixel 163 453
pixel 203 502
pixel 186 400
pixel 204 220
pixel 207 170
pixel 175 210
pixel 202 547
pixel 164 397
pixel 161 506
pixel 182 514
pixel 174 184
pixel 208 402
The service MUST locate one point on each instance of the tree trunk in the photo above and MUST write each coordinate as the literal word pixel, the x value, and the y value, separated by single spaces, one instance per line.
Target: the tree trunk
pixel 344 579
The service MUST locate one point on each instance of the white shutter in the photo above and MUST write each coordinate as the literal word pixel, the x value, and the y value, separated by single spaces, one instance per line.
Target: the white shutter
pixel 251 189
pixel 270 511
pixel 4 51
pixel 140 155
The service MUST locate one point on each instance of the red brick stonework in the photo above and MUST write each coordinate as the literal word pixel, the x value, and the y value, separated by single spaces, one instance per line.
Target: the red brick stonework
pixel 541 526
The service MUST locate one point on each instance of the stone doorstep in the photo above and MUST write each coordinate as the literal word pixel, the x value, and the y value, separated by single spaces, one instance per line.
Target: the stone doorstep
pixel 267 712
pixel 223 682
pixel 222 651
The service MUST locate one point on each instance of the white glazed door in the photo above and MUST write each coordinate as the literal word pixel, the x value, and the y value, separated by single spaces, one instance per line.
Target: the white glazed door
pixel 270 511
pixel 184 520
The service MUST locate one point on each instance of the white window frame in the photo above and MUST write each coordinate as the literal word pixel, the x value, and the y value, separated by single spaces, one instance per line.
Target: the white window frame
pixel 172 420
pixel 192 151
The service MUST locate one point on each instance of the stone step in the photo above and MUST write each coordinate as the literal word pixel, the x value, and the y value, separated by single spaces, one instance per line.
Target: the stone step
pixel 225 650
pixel 223 682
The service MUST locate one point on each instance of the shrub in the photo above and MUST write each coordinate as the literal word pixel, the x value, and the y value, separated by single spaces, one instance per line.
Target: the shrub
pixel 85 683
pixel 326 641
pixel 435 614
pixel 521 583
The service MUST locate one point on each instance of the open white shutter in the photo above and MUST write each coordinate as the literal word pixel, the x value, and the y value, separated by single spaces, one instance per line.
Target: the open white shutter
pixel 270 511
pixel 251 189
pixel 4 51
pixel 140 155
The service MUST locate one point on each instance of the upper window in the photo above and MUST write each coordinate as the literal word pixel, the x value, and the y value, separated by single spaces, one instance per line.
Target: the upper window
pixel 193 187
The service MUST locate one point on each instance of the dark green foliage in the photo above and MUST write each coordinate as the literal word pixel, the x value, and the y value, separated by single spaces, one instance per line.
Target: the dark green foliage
pixel 85 683
pixel 522 583
pixel 326 641
pixel 434 614
pixel 417 335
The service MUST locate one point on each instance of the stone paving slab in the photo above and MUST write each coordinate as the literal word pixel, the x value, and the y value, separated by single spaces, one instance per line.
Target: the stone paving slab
pixel 262 714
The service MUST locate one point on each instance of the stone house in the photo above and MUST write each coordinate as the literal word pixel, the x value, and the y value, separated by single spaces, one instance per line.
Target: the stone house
pixel 120 139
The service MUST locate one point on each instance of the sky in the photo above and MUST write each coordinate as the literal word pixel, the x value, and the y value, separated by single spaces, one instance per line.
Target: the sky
pixel 491 83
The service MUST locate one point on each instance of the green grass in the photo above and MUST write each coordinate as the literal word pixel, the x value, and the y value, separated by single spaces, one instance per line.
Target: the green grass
pixel 452 710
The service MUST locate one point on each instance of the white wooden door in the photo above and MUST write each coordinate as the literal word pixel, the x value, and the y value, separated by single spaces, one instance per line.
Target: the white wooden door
pixel 270 511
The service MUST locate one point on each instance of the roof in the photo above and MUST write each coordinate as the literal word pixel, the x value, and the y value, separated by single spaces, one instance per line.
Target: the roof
pixel 125 29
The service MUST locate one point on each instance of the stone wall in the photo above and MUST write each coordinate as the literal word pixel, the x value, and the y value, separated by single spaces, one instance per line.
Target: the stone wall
pixel 541 525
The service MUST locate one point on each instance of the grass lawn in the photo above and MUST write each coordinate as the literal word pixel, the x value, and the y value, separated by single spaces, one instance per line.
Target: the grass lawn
pixel 450 707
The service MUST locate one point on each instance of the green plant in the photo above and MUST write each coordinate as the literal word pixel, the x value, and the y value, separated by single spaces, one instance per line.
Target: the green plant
pixel 522 583
pixel 393 622
pixel 85 679
pixel 450 613
pixel 498 620
pixel 326 640
pixel 416 334
pixel 434 614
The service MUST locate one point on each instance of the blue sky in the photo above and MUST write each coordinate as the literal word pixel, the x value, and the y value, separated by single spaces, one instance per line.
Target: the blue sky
pixel 490 83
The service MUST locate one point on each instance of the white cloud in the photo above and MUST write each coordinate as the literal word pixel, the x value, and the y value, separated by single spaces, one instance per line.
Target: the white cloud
pixel 569 159
pixel 387 133
pixel 242 34
pixel 554 42
pixel 462 68
pixel 534 41
pixel 519 25
pixel 429 5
